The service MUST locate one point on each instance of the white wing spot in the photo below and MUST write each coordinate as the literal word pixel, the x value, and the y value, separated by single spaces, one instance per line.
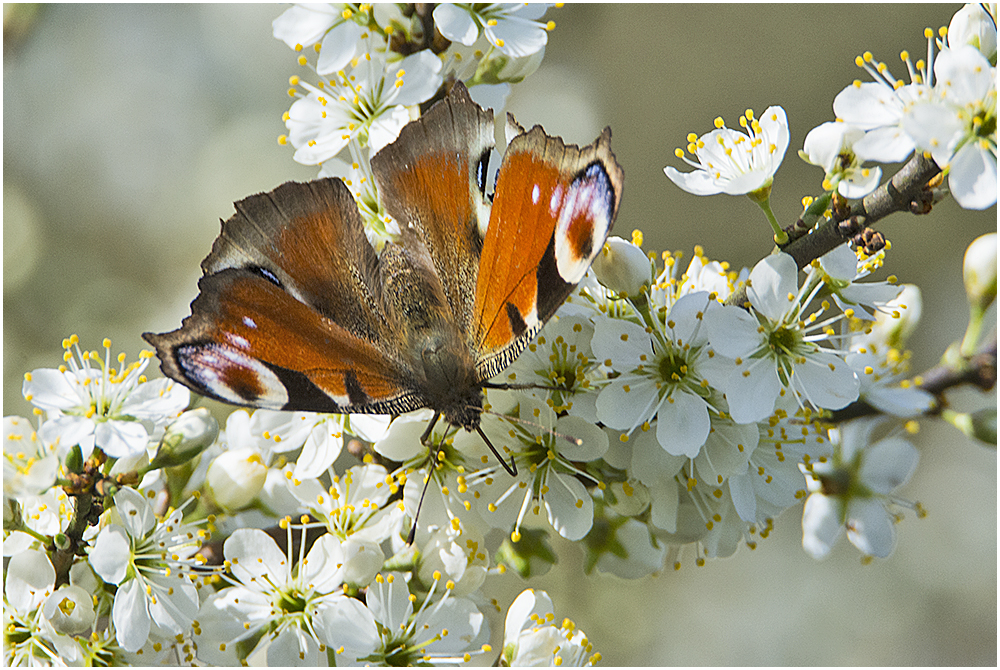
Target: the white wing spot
pixel 556 200
pixel 535 192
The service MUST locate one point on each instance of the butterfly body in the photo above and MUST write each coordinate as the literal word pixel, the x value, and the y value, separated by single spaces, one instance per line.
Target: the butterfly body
pixel 296 310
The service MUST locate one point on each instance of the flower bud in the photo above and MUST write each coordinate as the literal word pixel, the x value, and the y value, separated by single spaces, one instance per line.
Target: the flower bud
pixel 984 425
pixel 235 478
pixel 70 610
pixel 622 267
pixel 979 270
pixel 972 25
pixel 189 435
pixel 531 556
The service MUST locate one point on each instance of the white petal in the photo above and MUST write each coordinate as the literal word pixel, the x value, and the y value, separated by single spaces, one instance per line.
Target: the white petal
pixel 973 177
pixel 698 182
pixel 774 123
pixel 338 48
pixel 859 185
pixel 869 105
pixel 255 555
pixel 966 74
pixel 624 343
pixel 751 397
pixel 884 145
pixel 304 24
pixel 625 410
pixel 174 610
pixel 391 605
pixel 888 464
pixel 732 331
pixel 30 576
pixel 111 553
pixel 130 616
pixel 687 315
pixel 821 525
pixel 870 528
pixel 420 80
pixel 682 424
pixel 456 24
pixel 320 451
pixel 826 381
pixel 569 507
pixel 120 439
pixel 824 142
pixel 349 623
pixel 156 400
pixel 136 514
pixel 744 499
pixel 840 263
pixel 387 127
pixel 519 39
pixel 519 614
pixel 50 389
pixel 66 431
pixel 899 401
pixel 293 647
pixel 462 619
pixel 594 440
pixel 934 127
pixel 772 281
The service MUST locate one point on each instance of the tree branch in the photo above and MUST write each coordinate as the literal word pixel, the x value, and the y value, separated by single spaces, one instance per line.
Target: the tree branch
pixel 905 192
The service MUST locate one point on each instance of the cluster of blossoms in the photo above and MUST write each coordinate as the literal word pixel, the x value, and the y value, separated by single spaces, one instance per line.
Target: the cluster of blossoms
pixel 677 408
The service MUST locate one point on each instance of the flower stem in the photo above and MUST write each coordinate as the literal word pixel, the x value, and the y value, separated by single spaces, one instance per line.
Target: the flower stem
pixel 780 236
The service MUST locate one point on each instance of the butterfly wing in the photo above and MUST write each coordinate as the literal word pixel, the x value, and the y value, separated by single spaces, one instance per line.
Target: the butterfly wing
pixel 289 315
pixel 432 180
pixel 553 208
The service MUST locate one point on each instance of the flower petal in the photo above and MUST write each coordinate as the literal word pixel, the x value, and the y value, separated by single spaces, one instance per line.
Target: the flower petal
pixel 870 528
pixel 821 525
pixel 455 23
pixel 130 617
pixel 682 424
pixel 973 176
pixel 338 47
pixel 569 507
pixel 888 464
pixel 827 381
pixel 773 285
pixel 111 553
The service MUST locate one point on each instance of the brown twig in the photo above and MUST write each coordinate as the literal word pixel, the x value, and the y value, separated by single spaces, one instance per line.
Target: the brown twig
pixel 906 192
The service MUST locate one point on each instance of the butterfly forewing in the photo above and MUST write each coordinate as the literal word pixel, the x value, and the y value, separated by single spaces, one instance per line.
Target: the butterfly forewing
pixel 552 211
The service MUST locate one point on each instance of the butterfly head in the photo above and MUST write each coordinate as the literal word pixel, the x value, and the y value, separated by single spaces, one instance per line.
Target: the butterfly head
pixel 450 378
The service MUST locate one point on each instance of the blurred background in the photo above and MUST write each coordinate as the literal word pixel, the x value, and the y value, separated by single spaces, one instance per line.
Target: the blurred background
pixel 129 130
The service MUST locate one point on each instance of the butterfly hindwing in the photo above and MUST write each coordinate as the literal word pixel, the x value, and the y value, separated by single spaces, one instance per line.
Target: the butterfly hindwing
pixel 432 180
pixel 553 208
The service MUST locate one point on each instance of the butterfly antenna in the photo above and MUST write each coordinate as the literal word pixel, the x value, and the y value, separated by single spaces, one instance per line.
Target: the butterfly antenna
pixel 516 419
pixel 430 474
pixel 512 468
